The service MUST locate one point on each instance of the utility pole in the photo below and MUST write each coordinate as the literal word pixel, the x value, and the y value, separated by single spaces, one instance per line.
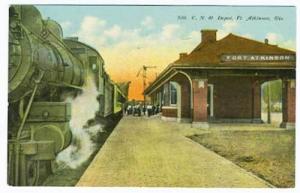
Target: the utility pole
pixel 144 82
pixel 144 75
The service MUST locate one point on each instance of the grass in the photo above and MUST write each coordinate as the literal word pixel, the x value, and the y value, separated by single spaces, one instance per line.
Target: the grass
pixel 268 154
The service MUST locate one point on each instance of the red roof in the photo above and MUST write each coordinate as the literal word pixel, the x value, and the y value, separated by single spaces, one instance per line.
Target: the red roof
pixel 209 53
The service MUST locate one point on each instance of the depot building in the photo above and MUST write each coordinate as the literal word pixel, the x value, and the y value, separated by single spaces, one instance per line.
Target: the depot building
pixel 221 80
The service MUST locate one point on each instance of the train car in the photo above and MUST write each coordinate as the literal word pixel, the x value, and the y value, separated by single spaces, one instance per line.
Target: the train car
pixel 114 97
pixel 108 96
pixel 119 99
pixel 44 69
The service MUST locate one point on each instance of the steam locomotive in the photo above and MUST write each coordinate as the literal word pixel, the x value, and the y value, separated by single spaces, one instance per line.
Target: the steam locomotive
pixel 45 68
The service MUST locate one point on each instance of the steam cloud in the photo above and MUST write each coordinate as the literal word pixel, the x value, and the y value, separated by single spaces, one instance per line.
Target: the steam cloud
pixel 84 108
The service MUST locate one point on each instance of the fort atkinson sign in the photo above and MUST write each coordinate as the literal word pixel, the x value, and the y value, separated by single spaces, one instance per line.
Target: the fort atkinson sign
pixel 257 57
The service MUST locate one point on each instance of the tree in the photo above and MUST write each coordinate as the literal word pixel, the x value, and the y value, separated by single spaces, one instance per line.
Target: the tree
pixel 276 92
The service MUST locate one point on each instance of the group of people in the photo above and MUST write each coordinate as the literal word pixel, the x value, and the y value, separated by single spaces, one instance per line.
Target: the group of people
pixel 140 109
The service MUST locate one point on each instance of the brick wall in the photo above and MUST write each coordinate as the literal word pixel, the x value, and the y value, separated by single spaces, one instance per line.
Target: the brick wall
pixel 233 97
pixel 289 101
pixel 169 112
pixel 256 89
pixel 200 100
pixel 185 94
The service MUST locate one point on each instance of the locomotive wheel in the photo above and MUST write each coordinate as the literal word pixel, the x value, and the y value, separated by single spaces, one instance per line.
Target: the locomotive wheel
pixel 32 172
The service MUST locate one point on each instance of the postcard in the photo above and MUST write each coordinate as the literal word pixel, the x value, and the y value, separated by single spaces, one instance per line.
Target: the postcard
pixel 151 95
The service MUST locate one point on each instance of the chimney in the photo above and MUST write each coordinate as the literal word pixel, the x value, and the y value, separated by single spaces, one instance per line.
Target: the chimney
pixel 209 35
pixel 182 55
pixel 266 41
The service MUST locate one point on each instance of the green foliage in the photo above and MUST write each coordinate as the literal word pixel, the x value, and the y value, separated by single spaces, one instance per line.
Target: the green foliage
pixel 276 91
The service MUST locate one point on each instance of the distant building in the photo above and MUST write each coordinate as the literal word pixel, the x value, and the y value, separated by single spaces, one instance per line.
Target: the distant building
pixel 220 81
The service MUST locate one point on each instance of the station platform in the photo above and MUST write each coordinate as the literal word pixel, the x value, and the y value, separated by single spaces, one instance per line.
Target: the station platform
pixel 149 152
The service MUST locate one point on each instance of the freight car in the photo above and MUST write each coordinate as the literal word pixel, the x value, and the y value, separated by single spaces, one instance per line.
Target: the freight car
pixel 44 68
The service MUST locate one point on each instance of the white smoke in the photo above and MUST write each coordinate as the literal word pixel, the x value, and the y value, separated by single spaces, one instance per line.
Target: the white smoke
pixel 84 108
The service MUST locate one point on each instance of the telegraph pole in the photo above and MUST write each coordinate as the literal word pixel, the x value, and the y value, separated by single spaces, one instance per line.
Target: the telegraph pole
pixel 144 75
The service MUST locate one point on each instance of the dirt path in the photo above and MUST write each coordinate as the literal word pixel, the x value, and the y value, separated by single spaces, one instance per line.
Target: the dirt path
pixel 150 152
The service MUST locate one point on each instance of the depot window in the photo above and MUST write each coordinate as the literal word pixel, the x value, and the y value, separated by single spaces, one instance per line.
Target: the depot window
pixel 173 93
pixel 165 100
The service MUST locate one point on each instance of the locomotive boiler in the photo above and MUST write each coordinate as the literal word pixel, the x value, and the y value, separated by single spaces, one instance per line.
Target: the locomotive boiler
pixel 45 68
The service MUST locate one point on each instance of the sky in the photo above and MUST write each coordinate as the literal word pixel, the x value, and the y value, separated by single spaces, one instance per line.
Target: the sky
pixel 128 37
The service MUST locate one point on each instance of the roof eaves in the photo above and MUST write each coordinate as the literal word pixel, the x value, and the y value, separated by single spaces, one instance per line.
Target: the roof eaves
pixel 256 41
pixel 159 77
